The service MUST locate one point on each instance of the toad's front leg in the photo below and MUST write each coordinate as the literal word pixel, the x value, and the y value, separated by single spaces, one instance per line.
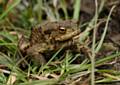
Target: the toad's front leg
pixel 35 53
pixel 37 50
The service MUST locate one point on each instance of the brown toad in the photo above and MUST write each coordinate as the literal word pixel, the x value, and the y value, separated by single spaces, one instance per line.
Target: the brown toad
pixel 48 38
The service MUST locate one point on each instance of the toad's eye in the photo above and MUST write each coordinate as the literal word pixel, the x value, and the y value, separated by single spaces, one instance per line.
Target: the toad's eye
pixel 62 30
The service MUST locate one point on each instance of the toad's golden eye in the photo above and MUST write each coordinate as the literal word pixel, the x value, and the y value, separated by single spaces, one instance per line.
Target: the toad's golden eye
pixel 62 30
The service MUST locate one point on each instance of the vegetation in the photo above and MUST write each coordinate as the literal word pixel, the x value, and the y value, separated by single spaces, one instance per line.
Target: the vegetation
pixel 17 17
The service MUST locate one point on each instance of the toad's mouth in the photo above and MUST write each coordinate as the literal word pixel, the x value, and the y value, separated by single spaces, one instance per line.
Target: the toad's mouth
pixel 68 36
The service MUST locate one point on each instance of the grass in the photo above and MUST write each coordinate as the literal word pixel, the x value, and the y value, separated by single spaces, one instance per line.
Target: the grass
pixel 9 8
pixel 65 70
pixel 77 9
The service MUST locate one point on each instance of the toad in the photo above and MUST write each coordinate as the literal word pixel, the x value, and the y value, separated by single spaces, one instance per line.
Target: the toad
pixel 48 38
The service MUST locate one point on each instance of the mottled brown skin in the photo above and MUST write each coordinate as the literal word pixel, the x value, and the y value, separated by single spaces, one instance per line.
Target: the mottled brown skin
pixel 49 38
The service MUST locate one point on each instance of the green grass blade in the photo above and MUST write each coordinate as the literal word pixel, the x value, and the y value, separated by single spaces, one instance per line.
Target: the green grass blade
pixel 64 7
pixel 41 82
pixel 76 9
pixel 105 30
pixel 15 3
pixel 108 58
pixel 42 68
